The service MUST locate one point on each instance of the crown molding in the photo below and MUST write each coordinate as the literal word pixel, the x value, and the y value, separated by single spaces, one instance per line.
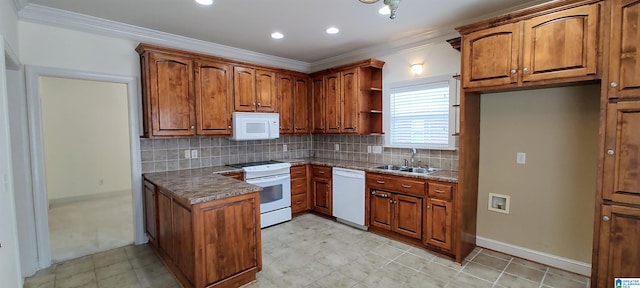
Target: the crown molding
pixel 411 42
pixel 80 22
pixel 19 4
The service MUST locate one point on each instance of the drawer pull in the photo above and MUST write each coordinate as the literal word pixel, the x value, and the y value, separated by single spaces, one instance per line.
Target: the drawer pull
pixel 379 181
pixel 406 186
pixel 438 191
pixel 299 202
pixel 320 172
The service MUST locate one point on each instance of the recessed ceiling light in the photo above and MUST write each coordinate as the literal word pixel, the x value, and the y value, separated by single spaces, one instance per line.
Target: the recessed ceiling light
pixel 277 35
pixel 332 30
pixel 205 2
pixel 384 10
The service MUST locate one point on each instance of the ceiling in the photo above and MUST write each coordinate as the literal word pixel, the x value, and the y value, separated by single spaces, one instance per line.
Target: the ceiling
pixel 248 24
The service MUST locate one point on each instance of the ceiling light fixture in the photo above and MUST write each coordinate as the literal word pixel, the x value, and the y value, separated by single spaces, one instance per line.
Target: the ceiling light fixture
pixel 277 35
pixel 332 30
pixel 384 10
pixel 392 4
pixel 205 2
pixel 416 69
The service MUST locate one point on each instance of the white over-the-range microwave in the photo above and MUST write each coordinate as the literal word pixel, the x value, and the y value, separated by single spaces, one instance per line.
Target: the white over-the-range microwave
pixel 255 126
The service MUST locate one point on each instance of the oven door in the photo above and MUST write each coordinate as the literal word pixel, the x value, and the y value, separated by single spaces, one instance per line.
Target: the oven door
pixel 276 192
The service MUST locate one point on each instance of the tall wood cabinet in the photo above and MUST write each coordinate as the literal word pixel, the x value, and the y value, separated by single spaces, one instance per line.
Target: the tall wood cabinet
pixel 617 223
pixel 348 99
pixel 214 105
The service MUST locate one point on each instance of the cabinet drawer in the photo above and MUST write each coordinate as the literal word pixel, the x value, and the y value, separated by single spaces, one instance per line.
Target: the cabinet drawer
pixel 299 186
pixel 409 186
pixel 298 203
pixel 299 172
pixel 441 191
pixel 379 181
pixel 322 171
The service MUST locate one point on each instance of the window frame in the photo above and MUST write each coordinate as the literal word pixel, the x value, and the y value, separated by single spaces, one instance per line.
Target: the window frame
pixel 404 85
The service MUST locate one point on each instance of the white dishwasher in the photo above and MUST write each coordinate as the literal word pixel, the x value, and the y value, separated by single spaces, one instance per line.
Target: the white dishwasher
pixel 348 196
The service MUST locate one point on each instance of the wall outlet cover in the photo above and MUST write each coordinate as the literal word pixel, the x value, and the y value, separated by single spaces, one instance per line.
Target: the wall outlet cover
pixel 521 158
pixel 337 147
pixel 194 154
pixel 284 147
pixel 187 154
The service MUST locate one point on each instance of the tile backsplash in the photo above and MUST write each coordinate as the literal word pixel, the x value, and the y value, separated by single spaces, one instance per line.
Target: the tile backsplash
pixel 159 155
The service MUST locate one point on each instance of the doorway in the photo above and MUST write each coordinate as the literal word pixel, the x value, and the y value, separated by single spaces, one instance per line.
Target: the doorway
pixel 85 153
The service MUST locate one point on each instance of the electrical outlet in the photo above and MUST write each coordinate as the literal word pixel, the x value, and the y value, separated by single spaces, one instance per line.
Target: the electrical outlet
pixel 521 158
pixel 187 154
pixel 337 147
pixel 377 149
pixel 369 149
pixel 284 147
pixel 194 154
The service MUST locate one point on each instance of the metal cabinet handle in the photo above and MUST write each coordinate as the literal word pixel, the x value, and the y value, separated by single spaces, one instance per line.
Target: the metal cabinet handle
pixel 390 201
pixel 613 84
pixel 525 70
pixel 379 181
pixel 428 206
pixel 406 186
pixel 320 172
pixel 438 191
pixel 514 71
pixel 606 218
pixel 610 152
pixel 193 127
pixel 259 104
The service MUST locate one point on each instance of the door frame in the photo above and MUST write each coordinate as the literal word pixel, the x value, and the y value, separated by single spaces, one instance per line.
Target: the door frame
pixel 33 74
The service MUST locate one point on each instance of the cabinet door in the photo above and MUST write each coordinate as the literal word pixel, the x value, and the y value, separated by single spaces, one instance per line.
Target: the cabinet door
pixel 619 250
pixel 349 89
pixel 244 89
pixel 561 44
pixel 407 218
pixel 183 241
pixel 266 91
pixel 437 219
pixel 624 61
pixel 171 95
pixel 332 102
pixel 150 212
pixel 491 56
pixel 165 239
pixel 322 195
pixel 621 180
pixel 380 209
pixel 214 103
pixel 285 103
pixel 318 104
pixel 301 105
pixel 231 239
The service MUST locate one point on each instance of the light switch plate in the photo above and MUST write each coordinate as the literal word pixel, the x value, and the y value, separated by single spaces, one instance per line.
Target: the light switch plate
pixel 337 147
pixel 284 147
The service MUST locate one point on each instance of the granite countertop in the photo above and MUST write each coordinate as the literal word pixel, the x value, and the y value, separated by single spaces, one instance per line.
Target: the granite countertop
pixel 443 175
pixel 205 184
pixel 202 184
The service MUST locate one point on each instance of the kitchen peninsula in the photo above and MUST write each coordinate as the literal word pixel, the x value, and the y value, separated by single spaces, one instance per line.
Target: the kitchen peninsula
pixel 204 226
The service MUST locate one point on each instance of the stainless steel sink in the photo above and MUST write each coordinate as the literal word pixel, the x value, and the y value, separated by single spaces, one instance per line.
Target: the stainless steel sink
pixel 418 170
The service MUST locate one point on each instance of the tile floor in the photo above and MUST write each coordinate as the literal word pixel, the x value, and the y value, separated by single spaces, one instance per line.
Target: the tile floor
pixel 86 227
pixel 313 252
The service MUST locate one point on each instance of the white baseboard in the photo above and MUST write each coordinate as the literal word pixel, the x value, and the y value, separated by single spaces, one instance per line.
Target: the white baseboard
pixel 73 199
pixel 536 256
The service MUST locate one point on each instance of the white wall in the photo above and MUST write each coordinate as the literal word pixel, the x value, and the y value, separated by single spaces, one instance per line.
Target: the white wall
pixel 86 137
pixel 9 26
pixel 63 48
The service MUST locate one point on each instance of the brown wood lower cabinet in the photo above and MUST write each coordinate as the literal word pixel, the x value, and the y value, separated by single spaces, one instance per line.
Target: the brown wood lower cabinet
pixel 299 190
pixel 210 244
pixel 416 211
pixel 321 187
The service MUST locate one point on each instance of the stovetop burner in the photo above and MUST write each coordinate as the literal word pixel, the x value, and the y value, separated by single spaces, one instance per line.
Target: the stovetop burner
pixel 250 164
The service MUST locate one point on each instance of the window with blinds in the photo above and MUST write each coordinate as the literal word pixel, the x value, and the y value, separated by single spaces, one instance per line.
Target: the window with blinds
pixel 419 115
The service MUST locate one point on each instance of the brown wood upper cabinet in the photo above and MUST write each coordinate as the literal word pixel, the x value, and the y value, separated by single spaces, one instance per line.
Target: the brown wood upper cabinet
pixel 557 47
pixel 348 99
pixel 293 104
pixel 254 90
pixel 168 98
pixel 624 61
pixel 184 95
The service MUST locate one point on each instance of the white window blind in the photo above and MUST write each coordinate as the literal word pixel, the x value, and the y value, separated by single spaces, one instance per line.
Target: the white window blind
pixel 419 115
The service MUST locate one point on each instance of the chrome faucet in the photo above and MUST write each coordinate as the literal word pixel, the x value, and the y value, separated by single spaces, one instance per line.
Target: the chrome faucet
pixel 413 154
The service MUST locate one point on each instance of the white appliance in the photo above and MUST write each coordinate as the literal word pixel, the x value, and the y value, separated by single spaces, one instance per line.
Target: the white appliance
pixel 348 196
pixel 255 126
pixel 275 198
